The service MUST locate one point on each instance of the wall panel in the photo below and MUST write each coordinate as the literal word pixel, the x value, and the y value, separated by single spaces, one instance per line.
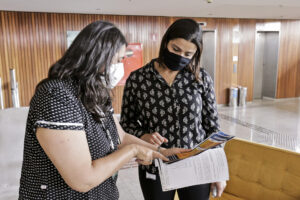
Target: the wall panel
pixel 32 42
pixel 289 59
pixel 245 67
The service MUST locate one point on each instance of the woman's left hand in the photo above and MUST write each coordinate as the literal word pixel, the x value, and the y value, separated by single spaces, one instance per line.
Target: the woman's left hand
pixel 220 187
pixel 172 151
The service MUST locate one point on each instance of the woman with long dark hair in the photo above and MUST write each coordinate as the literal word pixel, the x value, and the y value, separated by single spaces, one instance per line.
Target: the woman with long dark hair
pixel 174 105
pixel 73 145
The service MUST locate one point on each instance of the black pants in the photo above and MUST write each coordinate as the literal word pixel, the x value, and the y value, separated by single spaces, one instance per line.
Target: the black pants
pixel 152 190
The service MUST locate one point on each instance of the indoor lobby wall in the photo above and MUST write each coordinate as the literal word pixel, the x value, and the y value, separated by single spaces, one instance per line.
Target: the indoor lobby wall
pixel 32 42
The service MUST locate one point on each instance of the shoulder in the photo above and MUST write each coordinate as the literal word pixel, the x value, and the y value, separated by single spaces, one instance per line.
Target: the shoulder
pixel 62 90
pixel 204 75
pixel 205 82
pixel 55 85
pixel 205 78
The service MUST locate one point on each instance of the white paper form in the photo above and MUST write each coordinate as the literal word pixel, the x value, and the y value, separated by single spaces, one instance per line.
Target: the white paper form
pixel 207 167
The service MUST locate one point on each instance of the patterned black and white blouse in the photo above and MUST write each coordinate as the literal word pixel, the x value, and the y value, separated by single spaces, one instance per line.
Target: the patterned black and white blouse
pixel 55 106
pixel 185 113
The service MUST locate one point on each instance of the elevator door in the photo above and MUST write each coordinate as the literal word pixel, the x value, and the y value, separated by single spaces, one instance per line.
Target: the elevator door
pixel 266 64
pixel 208 53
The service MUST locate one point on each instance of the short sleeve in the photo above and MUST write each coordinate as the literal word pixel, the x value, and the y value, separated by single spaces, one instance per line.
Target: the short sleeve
pixel 56 108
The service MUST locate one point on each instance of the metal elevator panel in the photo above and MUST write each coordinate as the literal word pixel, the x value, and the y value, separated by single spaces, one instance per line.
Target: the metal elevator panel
pixel 270 64
pixel 208 57
pixel 266 65
pixel 258 65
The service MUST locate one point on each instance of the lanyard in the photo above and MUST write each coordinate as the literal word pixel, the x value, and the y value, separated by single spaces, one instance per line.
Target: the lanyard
pixel 110 139
pixel 112 146
pixel 108 134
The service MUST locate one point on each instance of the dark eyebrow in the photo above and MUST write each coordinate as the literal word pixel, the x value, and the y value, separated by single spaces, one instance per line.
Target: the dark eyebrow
pixel 177 47
pixel 174 45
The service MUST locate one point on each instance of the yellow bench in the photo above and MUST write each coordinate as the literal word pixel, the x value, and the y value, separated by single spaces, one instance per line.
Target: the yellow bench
pixel 261 172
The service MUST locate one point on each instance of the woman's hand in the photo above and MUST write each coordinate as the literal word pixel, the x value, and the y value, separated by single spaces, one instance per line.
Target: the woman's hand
pixel 145 156
pixel 220 187
pixel 154 138
pixel 172 151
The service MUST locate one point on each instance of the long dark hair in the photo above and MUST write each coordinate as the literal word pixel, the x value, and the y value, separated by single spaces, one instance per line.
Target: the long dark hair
pixel 189 30
pixel 86 60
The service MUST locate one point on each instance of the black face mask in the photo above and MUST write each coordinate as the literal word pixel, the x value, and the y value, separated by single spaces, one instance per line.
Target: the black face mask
pixel 175 62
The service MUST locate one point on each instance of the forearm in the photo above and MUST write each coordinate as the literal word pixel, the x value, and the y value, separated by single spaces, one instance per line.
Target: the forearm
pixel 69 152
pixel 103 168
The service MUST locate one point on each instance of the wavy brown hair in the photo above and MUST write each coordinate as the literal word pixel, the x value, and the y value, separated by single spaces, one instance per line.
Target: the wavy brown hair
pixel 86 60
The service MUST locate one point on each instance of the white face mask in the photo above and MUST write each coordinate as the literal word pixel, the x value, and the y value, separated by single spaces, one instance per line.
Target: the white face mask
pixel 115 73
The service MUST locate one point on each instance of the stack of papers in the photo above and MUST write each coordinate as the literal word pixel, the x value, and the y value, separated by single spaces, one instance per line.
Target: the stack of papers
pixel 203 164
pixel 207 167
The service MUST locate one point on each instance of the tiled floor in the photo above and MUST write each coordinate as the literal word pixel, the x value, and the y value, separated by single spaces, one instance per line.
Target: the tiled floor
pixel 272 122
pixel 128 184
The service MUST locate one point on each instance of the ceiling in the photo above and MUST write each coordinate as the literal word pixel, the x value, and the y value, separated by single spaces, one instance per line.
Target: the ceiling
pixel 259 9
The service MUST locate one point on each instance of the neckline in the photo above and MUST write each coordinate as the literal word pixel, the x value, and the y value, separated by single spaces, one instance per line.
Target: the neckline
pixel 161 78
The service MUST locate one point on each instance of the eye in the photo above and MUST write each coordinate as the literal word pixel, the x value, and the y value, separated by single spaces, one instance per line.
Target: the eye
pixel 176 49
